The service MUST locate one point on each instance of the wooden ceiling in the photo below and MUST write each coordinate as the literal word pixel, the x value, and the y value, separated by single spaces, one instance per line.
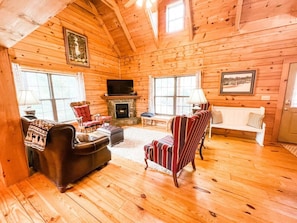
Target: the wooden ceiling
pixel 21 17
pixel 128 28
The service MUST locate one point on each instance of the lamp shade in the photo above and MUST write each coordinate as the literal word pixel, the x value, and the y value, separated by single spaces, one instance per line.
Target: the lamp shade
pixel 197 97
pixel 26 97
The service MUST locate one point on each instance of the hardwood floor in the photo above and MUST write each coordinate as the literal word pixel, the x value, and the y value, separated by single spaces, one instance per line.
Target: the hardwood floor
pixel 238 181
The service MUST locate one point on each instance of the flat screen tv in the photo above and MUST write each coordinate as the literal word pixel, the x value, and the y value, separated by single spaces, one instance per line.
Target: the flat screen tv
pixel 119 87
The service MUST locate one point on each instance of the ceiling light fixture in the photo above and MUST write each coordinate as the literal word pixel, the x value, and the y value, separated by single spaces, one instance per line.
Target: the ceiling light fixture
pixel 139 3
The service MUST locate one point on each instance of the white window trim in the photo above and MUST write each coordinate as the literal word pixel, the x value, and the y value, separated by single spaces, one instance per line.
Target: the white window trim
pixel 154 23
pixel 151 105
pixel 167 16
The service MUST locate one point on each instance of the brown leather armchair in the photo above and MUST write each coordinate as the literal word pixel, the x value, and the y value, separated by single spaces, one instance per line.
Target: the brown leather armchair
pixel 63 160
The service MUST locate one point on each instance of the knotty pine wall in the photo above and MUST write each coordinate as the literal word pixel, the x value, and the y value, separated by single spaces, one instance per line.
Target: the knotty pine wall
pixel 218 46
pixel 44 50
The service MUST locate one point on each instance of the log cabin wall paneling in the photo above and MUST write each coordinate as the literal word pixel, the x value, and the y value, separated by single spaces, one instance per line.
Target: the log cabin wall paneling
pixel 44 50
pixel 218 46
pixel 13 165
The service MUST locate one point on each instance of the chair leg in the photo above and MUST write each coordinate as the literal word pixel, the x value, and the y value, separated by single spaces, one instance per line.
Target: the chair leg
pixel 200 149
pixel 175 179
pixel 202 145
pixel 193 164
pixel 62 189
pixel 146 166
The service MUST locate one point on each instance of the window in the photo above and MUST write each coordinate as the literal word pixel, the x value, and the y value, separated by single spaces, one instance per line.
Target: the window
pixel 153 16
pixel 294 96
pixel 175 14
pixel 172 93
pixel 55 92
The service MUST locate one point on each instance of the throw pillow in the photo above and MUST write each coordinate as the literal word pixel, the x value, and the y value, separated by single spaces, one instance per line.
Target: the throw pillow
pixel 147 114
pixel 255 120
pixel 216 117
pixel 82 137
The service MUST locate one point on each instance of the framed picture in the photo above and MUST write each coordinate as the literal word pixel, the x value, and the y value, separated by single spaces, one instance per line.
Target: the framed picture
pixel 76 46
pixel 238 83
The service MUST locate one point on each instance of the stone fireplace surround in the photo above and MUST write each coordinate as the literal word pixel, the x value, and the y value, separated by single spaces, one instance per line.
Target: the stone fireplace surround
pixel 122 99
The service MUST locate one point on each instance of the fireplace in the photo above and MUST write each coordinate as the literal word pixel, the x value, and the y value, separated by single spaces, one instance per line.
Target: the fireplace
pixel 122 110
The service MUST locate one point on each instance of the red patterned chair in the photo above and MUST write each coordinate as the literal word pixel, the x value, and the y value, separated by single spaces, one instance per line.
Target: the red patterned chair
pixel 175 151
pixel 85 120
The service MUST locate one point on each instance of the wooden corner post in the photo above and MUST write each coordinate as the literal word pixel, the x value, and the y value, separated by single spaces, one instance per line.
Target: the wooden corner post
pixel 13 162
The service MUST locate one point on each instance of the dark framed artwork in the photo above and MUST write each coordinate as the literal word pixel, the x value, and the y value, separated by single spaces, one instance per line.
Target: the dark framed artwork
pixel 238 82
pixel 76 47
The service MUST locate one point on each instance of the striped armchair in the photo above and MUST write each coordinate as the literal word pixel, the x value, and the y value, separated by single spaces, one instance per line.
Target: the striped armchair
pixel 176 151
pixel 205 106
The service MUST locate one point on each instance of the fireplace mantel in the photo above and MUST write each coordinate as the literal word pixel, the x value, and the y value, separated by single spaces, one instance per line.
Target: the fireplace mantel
pixel 120 97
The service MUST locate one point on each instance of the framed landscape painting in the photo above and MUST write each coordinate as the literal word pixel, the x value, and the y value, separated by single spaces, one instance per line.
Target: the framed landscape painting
pixel 238 82
pixel 76 47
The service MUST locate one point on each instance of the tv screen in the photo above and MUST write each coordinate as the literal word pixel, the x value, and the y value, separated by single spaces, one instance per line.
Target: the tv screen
pixel 119 87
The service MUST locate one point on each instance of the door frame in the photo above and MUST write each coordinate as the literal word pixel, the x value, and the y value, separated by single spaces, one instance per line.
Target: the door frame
pixel 282 93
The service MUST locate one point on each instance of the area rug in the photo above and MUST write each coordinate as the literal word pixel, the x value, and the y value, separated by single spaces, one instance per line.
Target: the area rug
pixel 132 146
pixel 291 147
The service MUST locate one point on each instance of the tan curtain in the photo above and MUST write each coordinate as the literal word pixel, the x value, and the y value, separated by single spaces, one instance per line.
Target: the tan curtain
pixel 151 107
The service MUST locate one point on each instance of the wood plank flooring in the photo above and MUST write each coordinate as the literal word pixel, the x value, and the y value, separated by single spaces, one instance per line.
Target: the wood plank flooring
pixel 238 181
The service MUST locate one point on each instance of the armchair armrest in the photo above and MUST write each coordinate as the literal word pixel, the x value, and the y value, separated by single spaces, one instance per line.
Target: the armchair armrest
pixel 165 143
pixel 94 145
pixel 95 116
pixel 80 120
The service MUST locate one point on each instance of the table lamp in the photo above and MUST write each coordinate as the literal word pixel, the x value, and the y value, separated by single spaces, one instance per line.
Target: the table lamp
pixel 26 97
pixel 197 98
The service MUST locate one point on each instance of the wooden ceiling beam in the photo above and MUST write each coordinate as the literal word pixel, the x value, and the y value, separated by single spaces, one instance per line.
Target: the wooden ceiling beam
pixel 102 24
pixel 238 14
pixel 129 3
pixel 189 19
pixel 20 18
pixel 112 5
